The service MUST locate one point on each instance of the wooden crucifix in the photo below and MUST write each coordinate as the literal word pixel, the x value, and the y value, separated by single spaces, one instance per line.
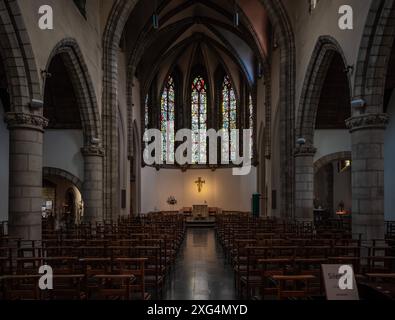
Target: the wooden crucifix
pixel 200 184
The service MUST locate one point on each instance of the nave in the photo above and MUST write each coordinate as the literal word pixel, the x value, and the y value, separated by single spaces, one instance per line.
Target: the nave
pixel 158 257
pixel 201 271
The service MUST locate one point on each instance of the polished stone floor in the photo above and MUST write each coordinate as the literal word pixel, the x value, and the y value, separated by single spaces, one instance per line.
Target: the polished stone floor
pixel 200 272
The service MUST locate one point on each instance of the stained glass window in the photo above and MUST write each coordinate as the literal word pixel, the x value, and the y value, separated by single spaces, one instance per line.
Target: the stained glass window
pixel 199 120
pixel 229 121
pixel 167 118
pixel 251 124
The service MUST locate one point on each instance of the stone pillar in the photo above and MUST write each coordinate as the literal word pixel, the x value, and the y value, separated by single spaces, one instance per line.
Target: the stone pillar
pixel 92 191
pixel 304 183
pixel 26 153
pixel 367 134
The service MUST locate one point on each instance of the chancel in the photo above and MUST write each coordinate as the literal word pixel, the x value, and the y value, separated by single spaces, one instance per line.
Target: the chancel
pixel 110 121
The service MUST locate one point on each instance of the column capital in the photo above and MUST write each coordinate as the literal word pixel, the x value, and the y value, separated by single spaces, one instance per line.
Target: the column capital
pixel 305 150
pixel 26 121
pixel 368 121
pixel 92 151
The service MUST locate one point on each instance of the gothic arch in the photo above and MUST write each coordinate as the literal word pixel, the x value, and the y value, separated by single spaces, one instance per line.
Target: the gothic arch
pixel 19 61
pixel 48 172
pixel 72 57
pixel 322 162
pixel 112 35
pixel 321 59
pixel 374 53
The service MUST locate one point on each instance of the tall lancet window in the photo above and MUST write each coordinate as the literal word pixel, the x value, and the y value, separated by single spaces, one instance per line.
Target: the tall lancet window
pixel 199 120
pixel 229 121
pixel 167 119
pixel 251 124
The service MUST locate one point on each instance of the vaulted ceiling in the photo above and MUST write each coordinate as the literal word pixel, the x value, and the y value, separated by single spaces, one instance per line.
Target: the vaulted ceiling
pixel 189 25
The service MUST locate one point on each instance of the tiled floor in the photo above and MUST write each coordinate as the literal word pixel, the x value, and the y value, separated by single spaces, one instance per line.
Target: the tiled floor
pixel 200 272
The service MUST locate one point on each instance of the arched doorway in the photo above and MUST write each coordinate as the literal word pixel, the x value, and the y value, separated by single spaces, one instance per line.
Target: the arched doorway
pixel 72 141
pixel 63 203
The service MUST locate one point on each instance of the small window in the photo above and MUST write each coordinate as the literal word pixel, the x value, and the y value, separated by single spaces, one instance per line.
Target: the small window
pixel 81 5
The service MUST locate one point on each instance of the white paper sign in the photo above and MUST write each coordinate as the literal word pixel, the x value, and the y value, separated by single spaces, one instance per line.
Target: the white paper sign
pixel 340 282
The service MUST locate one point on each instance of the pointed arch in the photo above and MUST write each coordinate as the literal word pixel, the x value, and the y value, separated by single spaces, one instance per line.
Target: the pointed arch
pixel 279 18
pixel 374 55
pixel 50 172
pixel 316 73
pixel 322 162
pixel 17 54
pixel 71 55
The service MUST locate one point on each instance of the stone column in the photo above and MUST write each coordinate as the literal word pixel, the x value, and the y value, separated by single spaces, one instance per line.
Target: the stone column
pixel 304 183
pixel 26 153
pixel 367 134
pixel 92 191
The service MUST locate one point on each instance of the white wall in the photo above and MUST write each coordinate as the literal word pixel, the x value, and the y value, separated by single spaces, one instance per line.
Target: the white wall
pixel 222 189
pixel 62 149
pixel 4 166
pixel 389 164
pixel 331 141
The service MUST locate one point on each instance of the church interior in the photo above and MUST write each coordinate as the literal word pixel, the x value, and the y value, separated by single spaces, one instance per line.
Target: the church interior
pixel 111 112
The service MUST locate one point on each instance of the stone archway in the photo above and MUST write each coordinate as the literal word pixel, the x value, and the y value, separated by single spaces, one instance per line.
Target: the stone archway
pixel 69 51
pixel 63 174
pixel 71 55
pixel 316 74
pixel 63 184
pixel 320 163
pixel 374 52
pixel 112 36
pixel 18 57
pixel 332 184
pixel 25 124
pixel 320 61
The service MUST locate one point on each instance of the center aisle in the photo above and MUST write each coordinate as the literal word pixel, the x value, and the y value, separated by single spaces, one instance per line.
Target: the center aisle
pixel 200 272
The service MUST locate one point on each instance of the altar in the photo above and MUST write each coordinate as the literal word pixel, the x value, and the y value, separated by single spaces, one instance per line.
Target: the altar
pixel 201 216
pixel 200 212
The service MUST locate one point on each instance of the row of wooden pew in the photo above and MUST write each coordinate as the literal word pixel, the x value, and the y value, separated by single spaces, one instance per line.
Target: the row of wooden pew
pixel 126 259
pixel 282 259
